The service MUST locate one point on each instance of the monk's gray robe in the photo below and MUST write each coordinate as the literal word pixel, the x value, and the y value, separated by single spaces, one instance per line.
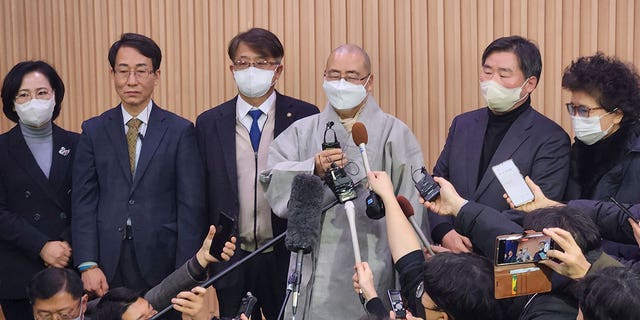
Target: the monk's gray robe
pixel 327 290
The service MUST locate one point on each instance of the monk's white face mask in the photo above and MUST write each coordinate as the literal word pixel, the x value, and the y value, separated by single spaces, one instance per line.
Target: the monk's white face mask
pixel 344 95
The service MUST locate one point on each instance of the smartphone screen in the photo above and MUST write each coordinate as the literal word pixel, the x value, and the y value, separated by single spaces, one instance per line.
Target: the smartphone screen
pixel 224 231
pixel 515 249
pixel 396 303
pixel 513 182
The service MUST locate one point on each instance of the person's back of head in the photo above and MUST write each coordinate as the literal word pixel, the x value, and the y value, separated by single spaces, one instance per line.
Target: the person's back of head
pixel 573 220
pixel 461 285
pixel 115 303
pixel 611 293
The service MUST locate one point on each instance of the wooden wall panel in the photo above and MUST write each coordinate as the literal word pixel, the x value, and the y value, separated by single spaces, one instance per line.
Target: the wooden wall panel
pixel 425 54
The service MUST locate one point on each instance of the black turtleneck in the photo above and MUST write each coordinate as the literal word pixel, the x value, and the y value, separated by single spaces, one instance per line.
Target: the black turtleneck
pixel 591 162
pixel 497 128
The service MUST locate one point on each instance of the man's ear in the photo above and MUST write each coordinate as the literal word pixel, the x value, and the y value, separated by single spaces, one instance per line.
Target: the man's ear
pixel 531 84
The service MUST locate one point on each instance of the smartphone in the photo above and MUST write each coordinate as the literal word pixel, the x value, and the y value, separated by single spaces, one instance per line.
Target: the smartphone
pixel 225 229
pixel 246 305
pixel 396 303
pixel 513 183
pixel 624 209
pixel 518 248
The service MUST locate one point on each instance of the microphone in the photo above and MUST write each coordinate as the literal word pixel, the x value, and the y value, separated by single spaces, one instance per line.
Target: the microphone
pixel 375 206
pixel 303 225
pixel 351 216
pixel 407 209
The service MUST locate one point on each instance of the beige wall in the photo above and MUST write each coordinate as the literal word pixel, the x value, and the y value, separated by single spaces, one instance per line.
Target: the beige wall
pixel 425 54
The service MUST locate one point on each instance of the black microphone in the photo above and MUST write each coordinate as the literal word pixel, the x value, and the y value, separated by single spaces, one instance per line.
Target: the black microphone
pixel 303 224
pixel 375 206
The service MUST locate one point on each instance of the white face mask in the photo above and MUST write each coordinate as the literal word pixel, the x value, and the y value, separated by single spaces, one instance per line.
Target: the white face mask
pixel 35 112
pixel 253 82
pixel 344 95
pixel 588 130
pixel 499 98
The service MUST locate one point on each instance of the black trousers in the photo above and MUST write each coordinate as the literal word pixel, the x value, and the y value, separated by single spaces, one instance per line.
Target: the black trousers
pixel 16 309
pixel 128 274
pixel 265 276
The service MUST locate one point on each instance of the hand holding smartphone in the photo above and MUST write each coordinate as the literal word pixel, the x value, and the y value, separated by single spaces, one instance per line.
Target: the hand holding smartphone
pixel 513 183
pixel 225 229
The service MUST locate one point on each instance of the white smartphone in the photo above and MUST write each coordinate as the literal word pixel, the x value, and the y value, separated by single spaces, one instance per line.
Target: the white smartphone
pixel 513 183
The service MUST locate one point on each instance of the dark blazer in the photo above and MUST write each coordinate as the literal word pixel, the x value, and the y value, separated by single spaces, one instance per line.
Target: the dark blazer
pixel 538 146
pixel 165 199
pixel 216 130
pixel 33 209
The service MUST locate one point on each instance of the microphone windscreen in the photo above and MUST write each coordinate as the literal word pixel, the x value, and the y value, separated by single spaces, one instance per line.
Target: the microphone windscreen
pixel 405 205
pixel 303 225
pixel 359 132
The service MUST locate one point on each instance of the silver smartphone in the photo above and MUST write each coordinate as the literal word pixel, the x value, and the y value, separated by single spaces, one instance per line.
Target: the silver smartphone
pixel 513 183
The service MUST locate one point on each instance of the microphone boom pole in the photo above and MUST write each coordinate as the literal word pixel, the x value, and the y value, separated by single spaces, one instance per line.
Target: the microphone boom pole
pixel 224 272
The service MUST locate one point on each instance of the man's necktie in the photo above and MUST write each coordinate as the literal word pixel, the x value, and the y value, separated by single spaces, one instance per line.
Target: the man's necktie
pixel 255 133
pixel 132 139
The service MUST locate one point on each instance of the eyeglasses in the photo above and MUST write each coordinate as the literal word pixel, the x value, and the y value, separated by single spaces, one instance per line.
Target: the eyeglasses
pixel 64 315
pixel 350 77
pixel 580 110
pixel 420 293
pixel 260 64
pixel 25 95
pixel 140 74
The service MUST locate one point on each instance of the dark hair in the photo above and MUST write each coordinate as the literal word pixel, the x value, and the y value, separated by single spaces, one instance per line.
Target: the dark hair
pixel 571 219
pixel 262 41
pixel 115 303
pixel 13 81
pixel 611 82
pixel 526 52
pixel 611 293
pixel 143 44
pixel 50 281
pixel 466 292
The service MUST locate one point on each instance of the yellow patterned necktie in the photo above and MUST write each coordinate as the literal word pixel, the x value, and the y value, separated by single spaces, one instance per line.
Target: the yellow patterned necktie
pixel 132 139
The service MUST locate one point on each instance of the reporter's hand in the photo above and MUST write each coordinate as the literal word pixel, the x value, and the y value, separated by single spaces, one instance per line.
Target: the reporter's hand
pixel 409 316
pixel 363 281
pixel 203 256
pixel 539 199
pixel 456 242
pixel 380 183
pixel 636 230
pixel 95 282
pixel 436 249
pixel 448 203
pixel 56 254
pixel 572 264
pixel 190 303
pixel 324 158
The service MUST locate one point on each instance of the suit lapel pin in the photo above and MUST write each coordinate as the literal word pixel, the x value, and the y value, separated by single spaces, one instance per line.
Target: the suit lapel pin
pixel 289 114
pixel 64 151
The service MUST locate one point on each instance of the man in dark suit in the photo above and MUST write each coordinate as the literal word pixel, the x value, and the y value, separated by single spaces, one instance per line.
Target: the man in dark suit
pixel 138 187
pixel 509 128
pixel 234 139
